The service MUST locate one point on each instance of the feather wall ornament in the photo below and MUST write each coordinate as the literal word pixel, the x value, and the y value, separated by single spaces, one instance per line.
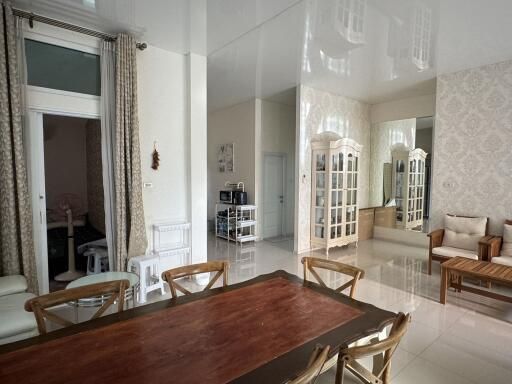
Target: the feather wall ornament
pixel 156 158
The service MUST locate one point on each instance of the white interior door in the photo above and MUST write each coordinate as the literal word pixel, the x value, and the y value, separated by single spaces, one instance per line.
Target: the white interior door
pixel 273 195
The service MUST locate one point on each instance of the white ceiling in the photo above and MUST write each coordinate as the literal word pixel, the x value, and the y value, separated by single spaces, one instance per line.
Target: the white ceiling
pixel 297 46
pixel 258 48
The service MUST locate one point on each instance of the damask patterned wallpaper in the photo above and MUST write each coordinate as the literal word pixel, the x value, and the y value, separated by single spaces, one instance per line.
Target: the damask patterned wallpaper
pixel 472 169
pixel 322 111
pixel 384 137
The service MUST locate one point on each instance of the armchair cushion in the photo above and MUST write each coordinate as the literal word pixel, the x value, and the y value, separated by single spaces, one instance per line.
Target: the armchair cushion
pixel 452 252
pixel 14 320
pixel 12 284
pixel 506 247
pixel 503 260
pixel 464 232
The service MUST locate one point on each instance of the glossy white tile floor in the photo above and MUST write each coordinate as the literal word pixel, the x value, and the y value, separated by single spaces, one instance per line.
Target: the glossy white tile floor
pixel 468 340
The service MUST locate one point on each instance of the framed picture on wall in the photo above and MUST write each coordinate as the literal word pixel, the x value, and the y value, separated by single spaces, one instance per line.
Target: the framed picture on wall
pixel 226 158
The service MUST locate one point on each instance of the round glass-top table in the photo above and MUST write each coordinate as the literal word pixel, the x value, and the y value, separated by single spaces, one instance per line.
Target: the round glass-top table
pixel 102 278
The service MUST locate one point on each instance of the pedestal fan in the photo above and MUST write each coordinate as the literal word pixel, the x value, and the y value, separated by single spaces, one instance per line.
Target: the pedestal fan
pixel 67 205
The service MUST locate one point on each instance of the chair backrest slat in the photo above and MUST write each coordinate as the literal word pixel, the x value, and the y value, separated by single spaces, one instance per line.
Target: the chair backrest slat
pixel 39 305
pixel 347 356
pixel 310 263
pixel 171 275
pixel 316 363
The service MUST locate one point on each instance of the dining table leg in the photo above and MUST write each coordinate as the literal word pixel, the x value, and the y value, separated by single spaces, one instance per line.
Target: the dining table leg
pixel 444 284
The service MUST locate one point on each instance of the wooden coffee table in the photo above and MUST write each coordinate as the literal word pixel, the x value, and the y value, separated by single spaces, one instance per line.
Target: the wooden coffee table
pixel 480 270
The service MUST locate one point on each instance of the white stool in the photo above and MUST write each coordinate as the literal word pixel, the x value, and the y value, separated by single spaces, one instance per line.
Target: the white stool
pixel 97 260
pixel 148 269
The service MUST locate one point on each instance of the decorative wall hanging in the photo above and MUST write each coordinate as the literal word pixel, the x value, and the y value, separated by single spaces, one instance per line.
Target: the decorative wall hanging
pixel 156 158
pixel 226 157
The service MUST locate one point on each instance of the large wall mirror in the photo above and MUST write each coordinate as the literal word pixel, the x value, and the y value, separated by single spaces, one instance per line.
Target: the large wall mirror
pixel 400 173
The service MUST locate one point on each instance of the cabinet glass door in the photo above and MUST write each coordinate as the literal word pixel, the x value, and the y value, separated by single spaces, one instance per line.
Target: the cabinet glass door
pixel 351 197
pixel 320 193
pixel 337 198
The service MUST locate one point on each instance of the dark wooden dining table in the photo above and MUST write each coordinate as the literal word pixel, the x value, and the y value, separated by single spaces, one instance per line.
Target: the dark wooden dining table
pixel 259 331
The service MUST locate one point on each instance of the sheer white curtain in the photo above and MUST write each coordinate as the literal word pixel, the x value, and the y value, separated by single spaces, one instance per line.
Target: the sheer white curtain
pixel 108 121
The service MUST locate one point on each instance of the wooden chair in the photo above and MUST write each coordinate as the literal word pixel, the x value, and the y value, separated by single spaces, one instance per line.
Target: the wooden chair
pixel 221 267
pixel 382 352
pixel 310 263
pixel 439 252
pixel 494 248
pixel 40 304
pixel 315 365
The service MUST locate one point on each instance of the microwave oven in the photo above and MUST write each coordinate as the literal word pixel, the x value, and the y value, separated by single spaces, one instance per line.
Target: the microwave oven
pixel 233 197
pixel 226 197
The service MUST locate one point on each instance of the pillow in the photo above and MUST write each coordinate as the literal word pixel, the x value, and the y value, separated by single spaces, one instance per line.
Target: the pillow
pixel 506 247
pixel 463 232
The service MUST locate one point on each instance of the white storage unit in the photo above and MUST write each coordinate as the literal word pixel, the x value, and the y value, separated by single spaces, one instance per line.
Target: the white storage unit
pixel 409 187
pixel 171 242
pixel 334 195
pixel 235 222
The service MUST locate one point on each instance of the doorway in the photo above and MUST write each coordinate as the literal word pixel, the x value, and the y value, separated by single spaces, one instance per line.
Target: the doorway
pixel 274 170
pixel 71 197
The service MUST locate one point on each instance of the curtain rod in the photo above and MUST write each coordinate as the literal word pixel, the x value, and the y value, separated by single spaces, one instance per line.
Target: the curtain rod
pixel 75 28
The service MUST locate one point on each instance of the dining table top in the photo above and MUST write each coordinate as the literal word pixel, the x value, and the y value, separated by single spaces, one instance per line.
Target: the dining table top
pixel 262 330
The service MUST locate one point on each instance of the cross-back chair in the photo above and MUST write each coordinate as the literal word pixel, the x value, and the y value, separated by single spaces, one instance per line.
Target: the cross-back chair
pixel 310 263
pixel 171 275
pixel 382 352
pixel 315 365
pixel 39 305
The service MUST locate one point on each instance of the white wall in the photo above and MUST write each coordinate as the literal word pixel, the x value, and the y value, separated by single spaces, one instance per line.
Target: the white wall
pixel 278 136
pixel 162 118
pixel 236 125
pixel 411 107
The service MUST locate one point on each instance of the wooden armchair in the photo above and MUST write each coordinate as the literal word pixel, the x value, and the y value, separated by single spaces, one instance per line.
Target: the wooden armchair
pixel 316 363
pixel 464 236
pixel 221 267
pixel 39 305
pixel 498 249
pixel 382 352
pixel 310 263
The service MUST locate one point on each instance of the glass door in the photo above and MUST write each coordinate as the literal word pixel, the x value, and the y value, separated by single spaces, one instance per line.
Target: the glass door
pixel 319 193
pixel 337 198
pixel 352 169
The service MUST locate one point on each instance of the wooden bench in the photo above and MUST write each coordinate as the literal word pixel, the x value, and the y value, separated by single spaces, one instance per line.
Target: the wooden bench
pixel 481 270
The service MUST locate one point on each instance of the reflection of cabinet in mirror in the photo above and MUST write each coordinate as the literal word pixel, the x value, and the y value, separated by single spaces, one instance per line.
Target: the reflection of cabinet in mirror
pixel 409 187
pixel 334 195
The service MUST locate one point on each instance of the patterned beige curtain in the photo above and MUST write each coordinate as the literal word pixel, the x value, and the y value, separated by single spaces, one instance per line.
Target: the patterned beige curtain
pixel 16 240
pixel 130 227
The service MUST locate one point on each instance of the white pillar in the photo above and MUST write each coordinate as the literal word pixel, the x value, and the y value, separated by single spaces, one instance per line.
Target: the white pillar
pixel 197 116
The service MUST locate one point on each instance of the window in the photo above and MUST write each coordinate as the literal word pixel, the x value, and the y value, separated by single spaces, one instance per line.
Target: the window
pixel 55 67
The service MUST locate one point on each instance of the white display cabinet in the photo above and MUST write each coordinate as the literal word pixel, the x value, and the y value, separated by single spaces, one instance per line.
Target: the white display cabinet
pixel 334 195
pixel 409 187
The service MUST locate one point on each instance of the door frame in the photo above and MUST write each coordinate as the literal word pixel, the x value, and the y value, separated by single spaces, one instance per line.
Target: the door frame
pixel 282 155
pixel 36 175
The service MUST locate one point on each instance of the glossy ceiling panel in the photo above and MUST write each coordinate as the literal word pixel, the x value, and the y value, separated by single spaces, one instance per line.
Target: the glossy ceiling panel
pixel 369 50
pixel 230 19
pixel 162 23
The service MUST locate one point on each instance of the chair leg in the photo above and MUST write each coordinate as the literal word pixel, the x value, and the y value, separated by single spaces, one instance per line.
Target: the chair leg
pixel 430 265
pixel 340 370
